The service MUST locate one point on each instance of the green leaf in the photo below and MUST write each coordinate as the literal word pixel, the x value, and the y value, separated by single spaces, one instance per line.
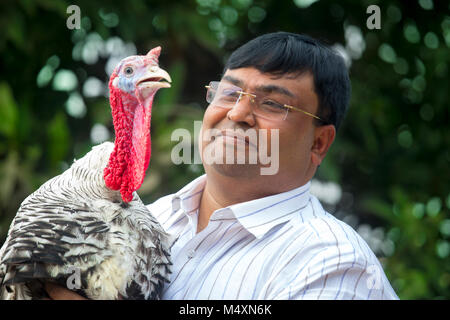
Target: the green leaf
pixel 58 138
pixel 9 170
pixel 8 111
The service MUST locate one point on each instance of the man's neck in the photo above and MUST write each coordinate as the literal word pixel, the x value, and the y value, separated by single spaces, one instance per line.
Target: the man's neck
pixel 220 194
pixel 223 191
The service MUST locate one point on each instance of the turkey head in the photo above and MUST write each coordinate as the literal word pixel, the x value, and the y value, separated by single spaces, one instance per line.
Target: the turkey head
pixel 132 86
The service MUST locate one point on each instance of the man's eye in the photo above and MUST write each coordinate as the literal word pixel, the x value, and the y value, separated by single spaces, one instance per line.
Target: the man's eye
pixel 128 71
pixel 272 106
pixel 230 93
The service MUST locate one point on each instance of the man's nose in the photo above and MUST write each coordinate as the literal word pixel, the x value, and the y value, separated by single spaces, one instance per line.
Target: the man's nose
pixel 242 111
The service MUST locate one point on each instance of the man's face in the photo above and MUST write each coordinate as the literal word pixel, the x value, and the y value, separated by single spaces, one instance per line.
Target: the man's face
pixel 295 134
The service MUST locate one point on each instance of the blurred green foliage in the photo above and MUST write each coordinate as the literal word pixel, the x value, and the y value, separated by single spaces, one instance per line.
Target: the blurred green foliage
pixel 391 157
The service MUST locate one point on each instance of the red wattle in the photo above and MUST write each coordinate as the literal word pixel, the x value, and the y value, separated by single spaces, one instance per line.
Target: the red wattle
pixel 132 147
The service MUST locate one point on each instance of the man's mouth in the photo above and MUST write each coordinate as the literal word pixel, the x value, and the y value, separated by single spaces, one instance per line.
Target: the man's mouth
pixel 235 137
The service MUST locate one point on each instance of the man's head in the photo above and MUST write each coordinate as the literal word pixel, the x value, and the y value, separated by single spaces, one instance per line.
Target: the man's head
pixel 284 53
pixel 290 70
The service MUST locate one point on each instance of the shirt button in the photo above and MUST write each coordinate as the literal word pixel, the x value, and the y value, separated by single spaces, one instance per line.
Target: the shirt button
pixel 191 253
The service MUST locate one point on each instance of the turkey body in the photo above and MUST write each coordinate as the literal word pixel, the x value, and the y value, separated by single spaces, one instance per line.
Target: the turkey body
pixel 74 226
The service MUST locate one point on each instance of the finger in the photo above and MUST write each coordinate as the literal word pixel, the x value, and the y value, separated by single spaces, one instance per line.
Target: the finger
pixel 59 293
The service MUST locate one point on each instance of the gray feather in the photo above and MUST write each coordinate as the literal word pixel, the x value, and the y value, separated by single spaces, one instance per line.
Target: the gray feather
pixel 75 221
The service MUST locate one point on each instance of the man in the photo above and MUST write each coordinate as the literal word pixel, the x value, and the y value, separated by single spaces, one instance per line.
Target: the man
pixel 247 235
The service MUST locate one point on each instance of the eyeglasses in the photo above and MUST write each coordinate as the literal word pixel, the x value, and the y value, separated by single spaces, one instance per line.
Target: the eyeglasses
pixel 226 95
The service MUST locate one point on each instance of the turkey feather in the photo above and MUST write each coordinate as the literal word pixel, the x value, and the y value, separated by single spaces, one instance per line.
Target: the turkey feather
pixel 74 222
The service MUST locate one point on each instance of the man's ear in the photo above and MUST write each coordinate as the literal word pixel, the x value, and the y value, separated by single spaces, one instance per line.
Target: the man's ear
pixel 323 138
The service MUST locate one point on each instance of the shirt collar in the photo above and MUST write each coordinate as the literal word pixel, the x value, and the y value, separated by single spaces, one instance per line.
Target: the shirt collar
pixel 188 198
pixel 260 215
pixel 256 216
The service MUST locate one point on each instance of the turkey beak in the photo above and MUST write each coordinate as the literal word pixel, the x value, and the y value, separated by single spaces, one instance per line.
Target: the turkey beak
pixel 155 78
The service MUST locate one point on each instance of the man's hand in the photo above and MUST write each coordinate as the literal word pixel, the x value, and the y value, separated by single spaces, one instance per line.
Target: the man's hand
pixel 56 292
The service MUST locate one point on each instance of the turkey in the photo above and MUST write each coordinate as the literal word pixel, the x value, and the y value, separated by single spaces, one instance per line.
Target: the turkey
pixel 88 224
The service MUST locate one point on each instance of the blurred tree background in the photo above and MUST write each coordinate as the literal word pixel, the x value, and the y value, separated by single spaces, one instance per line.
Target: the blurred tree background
pixel 387 174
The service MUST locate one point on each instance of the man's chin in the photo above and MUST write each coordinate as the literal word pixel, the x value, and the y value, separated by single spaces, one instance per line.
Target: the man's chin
pixel 245 171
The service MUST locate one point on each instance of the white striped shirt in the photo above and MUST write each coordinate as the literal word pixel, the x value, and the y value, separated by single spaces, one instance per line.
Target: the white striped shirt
pixel 284 246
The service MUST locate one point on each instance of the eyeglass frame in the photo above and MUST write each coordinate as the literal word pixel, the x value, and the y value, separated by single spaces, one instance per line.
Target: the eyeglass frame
pixel 288 107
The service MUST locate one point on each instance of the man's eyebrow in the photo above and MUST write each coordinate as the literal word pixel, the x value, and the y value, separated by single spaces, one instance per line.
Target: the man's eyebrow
pixel 273 88
pixel 264 88
pixel 233 80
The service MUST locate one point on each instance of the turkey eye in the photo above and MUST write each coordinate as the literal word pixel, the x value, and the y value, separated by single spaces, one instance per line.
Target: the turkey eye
pixel 128 71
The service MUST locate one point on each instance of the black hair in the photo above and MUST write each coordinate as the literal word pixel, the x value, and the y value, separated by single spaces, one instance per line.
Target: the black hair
pixel 283 53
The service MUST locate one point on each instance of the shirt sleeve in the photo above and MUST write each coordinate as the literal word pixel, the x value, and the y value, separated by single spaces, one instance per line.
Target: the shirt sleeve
pixel 335 273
